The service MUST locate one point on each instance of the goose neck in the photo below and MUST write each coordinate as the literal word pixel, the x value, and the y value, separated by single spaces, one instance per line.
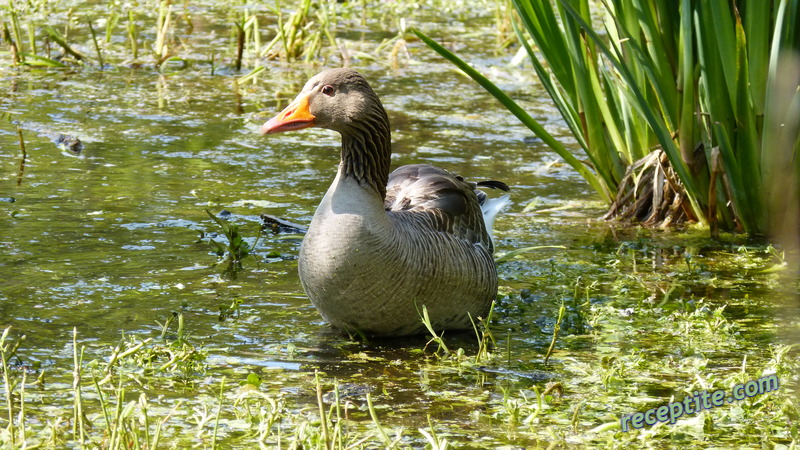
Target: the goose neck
pixel 367 152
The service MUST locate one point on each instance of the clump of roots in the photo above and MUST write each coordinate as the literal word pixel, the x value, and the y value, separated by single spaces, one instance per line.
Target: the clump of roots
pixel 651 193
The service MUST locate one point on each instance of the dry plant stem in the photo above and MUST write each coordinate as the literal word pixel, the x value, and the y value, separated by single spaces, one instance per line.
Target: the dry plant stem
pixel 17 50
pixel 716 171
pixel 162 28
pixel 239 46
pixel 24 156
pixel 77 424
pixel 14 54
pixel 21 419
pixel 6 355
pixel 399 46
pixel 651 194
pixel 554 387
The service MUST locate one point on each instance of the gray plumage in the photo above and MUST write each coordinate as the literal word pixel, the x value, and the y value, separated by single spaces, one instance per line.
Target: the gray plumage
pixel 381 246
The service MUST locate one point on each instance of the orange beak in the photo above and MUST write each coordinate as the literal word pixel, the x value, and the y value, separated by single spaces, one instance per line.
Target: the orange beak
pixel 296 116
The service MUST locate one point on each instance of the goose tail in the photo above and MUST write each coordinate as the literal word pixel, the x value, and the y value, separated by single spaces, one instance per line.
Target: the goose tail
pixel 491 207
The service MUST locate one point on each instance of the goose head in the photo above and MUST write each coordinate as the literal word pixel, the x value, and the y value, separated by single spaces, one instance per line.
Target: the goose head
pixel 336 99
pixel 341 100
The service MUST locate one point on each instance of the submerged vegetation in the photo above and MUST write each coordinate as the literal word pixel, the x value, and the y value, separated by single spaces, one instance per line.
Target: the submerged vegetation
pixel 685 109
pixel 116 333
pixel 128 396
pixel 235 249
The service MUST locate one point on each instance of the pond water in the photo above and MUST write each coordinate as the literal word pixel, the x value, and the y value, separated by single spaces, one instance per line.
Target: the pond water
pixel 115 241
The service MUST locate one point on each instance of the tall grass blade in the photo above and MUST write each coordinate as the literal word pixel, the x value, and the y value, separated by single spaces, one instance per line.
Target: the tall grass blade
pixel 640 103
pixel 78 427
pixel 16 41
pixel 41 61
pixel 521 114
pixel 32 37
pixel 96 44
pixel 323 419
pixel 688 78
pixel 59 39
pixel 6 353
pixel 133 36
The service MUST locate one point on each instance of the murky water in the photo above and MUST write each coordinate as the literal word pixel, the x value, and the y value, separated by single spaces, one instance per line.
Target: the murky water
pixel 116 240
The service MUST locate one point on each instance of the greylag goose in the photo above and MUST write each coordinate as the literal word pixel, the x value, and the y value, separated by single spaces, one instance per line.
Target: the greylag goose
pixel 381 246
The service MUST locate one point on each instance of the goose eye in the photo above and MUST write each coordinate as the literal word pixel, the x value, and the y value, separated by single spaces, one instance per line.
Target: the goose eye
pixel 328 90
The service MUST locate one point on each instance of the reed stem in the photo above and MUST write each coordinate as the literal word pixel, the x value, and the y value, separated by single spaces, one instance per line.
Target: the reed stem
pixel 96 44
pixel 5 356
pixel 24 156
pixel 132 36
pixel 322 417
pixel 78 421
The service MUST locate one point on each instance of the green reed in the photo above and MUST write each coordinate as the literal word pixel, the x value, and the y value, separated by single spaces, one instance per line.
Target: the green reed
pixel 699 80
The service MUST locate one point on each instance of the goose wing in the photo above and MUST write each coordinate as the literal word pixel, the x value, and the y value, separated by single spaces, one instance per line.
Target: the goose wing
pixel 441 200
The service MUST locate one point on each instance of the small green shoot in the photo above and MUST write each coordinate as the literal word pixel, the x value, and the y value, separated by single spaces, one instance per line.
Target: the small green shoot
pixel 556 328
pixel 484 335
pixel 228 311
pixel 220 400
pixel 426 320
pixel 78 424
pixel 435 441
pixel 96 44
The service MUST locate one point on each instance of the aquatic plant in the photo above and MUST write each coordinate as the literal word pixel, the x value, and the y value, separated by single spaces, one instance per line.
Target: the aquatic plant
pixel 483 334
pixel 235 249
pixel 161 34
pixel 704 91
pixel 115 397
pixel 649 339
pixel 300 36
